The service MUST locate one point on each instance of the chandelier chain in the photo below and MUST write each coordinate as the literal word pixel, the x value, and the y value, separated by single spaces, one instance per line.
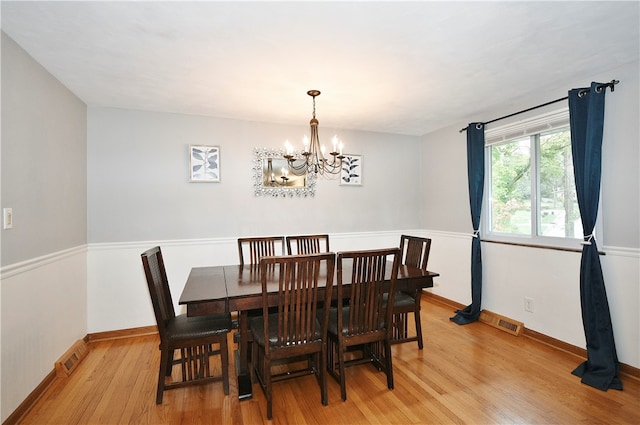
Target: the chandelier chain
pixel 314 107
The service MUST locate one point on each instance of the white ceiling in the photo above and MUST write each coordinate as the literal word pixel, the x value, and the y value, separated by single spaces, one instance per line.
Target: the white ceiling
pixel 394 67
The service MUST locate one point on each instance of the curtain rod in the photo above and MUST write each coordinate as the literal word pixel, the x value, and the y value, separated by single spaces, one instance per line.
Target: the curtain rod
pixel 610 84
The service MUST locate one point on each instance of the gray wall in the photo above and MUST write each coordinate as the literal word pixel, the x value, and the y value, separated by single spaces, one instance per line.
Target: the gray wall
pixel 44 167
pixel 139 185
pixel 44 263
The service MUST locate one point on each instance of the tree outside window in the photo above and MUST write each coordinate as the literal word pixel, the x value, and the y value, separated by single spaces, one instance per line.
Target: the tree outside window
pixel 538 164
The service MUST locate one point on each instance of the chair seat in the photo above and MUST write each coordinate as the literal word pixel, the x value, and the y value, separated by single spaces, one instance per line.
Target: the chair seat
pixel 182 327
pixel 332 328
pixel 400 299
pixel 333 320
pixel 256 324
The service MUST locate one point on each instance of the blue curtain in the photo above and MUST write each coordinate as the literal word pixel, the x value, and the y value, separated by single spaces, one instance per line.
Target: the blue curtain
pixel 475 170
pixel 586 111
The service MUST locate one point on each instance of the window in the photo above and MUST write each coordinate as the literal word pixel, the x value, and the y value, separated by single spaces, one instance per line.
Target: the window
pixel 530 187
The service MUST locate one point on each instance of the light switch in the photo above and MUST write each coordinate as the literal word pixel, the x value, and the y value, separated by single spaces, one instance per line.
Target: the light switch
pixel 7 218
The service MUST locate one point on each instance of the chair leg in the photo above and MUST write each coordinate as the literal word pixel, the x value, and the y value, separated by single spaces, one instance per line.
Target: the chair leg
pixel 253 363
pixel 267 384
pixel 331 353
pixel 343 385
pixel 418 328
pixel 170 363
pixel 224 359
pixel 388 363
pixel 322 370
pixel 164 360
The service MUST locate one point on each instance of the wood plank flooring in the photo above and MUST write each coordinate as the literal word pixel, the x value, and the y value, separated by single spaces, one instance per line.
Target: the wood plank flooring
pixel 472 374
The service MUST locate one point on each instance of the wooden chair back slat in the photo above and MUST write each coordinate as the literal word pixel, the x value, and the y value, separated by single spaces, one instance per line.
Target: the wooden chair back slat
pixel 299 279
pixel 159 290
pixel 367 289
pixel 415 251
pixel 307 244
pixel 259 247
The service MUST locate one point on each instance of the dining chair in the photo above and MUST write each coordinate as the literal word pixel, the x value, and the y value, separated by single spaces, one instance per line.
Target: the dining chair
pixel 307 244
pixel 258 247
pixel 362 318
pixel 414 252
pixel 296 329
pixel 193 337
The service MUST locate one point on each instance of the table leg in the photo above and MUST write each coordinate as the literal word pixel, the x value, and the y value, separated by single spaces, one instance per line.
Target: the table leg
pixel 242 358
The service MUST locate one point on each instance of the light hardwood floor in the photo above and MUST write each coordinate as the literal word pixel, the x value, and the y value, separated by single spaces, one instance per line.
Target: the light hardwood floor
pixel 472 374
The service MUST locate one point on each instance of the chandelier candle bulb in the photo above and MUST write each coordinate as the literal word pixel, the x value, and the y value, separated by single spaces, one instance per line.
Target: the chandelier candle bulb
pixel 288 147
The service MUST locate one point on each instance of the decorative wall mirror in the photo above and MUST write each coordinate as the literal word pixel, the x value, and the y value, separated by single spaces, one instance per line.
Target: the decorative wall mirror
pixel 272 178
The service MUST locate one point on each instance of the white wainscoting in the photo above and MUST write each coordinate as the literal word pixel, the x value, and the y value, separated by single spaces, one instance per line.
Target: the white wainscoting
pixel 118 297
pixel 551 278
pixel 44 311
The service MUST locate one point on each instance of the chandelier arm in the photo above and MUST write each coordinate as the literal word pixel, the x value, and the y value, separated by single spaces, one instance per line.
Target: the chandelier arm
pixel 298 170
pixel 334 167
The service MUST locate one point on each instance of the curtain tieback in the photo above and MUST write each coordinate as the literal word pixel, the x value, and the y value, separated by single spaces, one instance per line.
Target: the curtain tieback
pixel 587 240
pixel 476 233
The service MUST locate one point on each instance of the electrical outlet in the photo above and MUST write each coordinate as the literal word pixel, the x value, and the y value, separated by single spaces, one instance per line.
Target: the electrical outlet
pixel 7 218
pixel 528 304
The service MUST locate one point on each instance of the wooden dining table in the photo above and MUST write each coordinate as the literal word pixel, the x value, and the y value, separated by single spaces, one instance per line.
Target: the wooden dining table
pixel 238 288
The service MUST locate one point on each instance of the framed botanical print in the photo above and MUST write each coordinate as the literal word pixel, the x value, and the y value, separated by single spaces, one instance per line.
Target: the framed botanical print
pixel 204 163
pixel 351 173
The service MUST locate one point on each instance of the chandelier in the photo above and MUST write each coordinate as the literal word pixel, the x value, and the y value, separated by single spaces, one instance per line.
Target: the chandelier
pixel 312 159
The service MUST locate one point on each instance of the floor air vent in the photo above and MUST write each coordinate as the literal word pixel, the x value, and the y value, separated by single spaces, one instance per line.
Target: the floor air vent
pixel 70 360
pixel 503 323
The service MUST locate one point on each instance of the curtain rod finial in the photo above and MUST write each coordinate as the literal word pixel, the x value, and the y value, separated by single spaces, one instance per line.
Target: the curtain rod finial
pixel 613 84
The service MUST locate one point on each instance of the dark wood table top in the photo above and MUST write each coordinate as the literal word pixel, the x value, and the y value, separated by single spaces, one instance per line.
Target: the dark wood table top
pixel 219 289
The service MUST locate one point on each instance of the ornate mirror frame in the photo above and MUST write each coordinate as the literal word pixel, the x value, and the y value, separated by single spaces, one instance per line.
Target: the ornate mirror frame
pixel 267 179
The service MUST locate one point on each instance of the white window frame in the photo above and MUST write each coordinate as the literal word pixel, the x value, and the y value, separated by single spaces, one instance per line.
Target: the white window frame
pixel 527 127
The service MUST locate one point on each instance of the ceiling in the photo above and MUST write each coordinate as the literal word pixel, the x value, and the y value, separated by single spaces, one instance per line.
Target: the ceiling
pixel 392 67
